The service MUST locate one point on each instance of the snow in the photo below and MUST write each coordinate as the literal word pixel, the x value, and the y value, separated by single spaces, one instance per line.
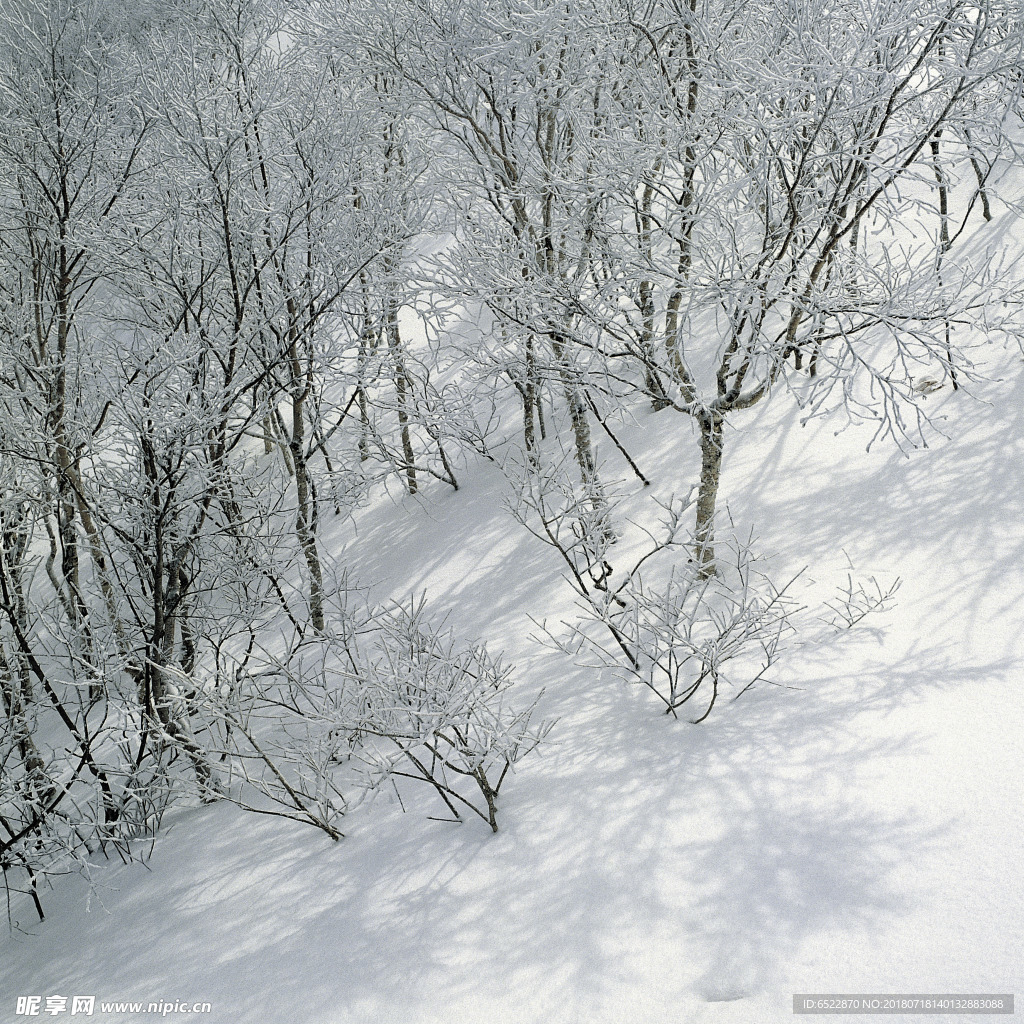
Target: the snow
pixel 856 830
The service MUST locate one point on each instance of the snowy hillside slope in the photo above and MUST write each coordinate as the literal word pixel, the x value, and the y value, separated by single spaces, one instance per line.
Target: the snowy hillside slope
pixel 856 829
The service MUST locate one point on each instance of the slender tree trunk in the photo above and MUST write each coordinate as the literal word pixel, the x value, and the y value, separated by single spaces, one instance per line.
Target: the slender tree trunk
pixel 982 177
pixel 585 458
pixel 67 465
pixel 160 704
pixel 944 239
pixel 70 563
pixel 529 435
pixel 364 424
pixel 403 387
pixel 99 561
pixel 652 381
pixel 528 390
pixel 304 515
pixel 188 638
pixel 707 494
pixel 582 440
pixel 285 445
pixel 14 697
pixel 534 384
pixel 12 554
pixel 369 338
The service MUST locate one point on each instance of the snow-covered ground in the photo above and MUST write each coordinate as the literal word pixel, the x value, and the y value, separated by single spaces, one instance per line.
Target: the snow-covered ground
pixel 858 830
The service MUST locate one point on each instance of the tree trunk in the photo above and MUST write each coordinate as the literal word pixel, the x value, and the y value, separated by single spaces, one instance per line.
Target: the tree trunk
pixel 13 699
pixel 944 240
pixel 403 388
pixel 582 440
pixel 529 393
pixel 158 686
pixel 586 460
pixel 304 515
pixel 707 495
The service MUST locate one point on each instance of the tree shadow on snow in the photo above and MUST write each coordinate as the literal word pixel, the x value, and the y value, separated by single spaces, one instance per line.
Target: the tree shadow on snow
pixel 643 865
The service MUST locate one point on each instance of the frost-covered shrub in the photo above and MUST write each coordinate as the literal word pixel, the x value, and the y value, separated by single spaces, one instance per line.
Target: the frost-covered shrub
pixel 690 635
pixel 387 695
pixel 673 622
pixel 445 713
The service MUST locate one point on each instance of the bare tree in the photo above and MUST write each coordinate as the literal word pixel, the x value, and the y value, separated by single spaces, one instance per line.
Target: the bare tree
pixel 757 148
pixel 512 93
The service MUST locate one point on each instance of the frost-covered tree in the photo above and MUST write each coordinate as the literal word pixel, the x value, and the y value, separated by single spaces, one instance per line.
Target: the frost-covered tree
pixel 513 94
pixel 770 216
pixel 704 203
